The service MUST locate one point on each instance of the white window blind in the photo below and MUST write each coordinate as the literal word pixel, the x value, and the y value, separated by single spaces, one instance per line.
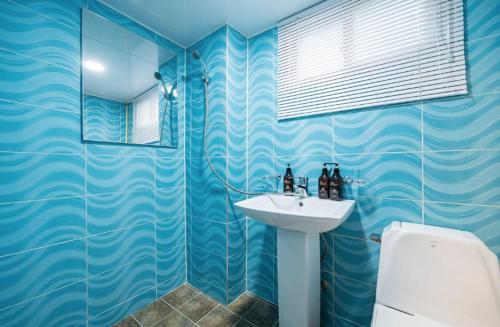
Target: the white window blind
pixel 351 54
pixel 146 118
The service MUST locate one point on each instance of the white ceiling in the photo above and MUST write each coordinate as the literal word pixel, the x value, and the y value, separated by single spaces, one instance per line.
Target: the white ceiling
pixel 187 21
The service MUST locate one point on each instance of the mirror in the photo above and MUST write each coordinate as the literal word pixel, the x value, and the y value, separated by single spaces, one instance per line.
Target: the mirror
pixel 129 86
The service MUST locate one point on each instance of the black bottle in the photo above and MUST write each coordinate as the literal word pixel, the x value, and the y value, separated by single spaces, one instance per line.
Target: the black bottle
pixel 288 180
pixel 336 184
pixel 323 183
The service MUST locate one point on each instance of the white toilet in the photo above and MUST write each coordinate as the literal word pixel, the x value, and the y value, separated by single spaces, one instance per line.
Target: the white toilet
pixel 435 277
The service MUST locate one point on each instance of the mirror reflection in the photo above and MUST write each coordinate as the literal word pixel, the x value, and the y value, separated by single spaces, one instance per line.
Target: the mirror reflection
pixel 129 86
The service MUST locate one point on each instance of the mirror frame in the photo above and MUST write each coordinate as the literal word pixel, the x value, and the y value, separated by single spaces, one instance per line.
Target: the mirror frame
pixel 133 26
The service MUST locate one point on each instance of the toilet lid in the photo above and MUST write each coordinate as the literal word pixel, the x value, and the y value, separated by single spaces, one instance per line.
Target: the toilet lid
pixel 387 317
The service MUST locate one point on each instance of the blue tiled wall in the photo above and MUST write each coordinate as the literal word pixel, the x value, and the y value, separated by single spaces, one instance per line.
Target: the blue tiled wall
pixel 216 231
pixel 104 119
pixel 88 232
pixel 434 162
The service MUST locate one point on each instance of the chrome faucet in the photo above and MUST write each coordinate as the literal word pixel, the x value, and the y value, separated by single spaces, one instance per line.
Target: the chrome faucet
pixel 302 190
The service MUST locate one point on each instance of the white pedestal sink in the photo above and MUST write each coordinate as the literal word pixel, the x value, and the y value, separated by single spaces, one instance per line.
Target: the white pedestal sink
pixel 299 223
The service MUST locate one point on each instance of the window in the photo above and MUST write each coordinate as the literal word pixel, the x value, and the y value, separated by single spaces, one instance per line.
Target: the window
pixel 146 118
pixel 350 54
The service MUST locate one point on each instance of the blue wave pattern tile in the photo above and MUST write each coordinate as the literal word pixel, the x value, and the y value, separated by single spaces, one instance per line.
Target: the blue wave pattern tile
pixel 108 174
pixel 120 247
pixel 372 215
pixel 107 212
pixel 483 65
pixel 209 266
pixel 108 289
pixel 356 259
pixel 260 268
pixel 124 309
pixel 464 123
pixel 327 306
pixel 384 129
pixel 261 237
pixel 170 233
pixel 63 307
pixel 27 80
pixel 219 294
pixel 261 291
pixel 209 203
pixel 103 119
pixel 463 177
pixel 354 301
pixel 170 202
pixel 170 263
pixel 29 274
pixel 482 18
pixel 304 137
pixel 481 220
pixel 236 269
pixel 260 141
pixel 169 172
pixel 396 176
pixel 33 224
pixel 236 77
pixel 35 35
pixel 236 237
pixel 27 176
pixel 52 206
pixel 27 128
pixel 209 235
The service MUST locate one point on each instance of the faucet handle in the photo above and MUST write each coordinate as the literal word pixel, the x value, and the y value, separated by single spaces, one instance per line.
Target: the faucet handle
pixel 303 181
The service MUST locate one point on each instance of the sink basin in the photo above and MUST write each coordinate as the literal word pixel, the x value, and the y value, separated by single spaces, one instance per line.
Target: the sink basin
pixel 299 223
pixel 308 215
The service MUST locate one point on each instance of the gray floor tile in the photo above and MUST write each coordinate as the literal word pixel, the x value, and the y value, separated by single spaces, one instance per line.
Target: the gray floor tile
pixel 153 313
pixel 181 295
pixel 175 319
pixel 197 307
pixel 219 317
pixel 129 322
pixel 262 314
pixel 241 305
pixel 244 323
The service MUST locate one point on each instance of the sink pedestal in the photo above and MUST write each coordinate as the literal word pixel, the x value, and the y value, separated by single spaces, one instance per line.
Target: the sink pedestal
pixel 299 280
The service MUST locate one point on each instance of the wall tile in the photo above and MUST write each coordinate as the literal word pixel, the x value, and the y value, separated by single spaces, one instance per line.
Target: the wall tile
pixel 170 233
pixel 304 137
pixel 483 67
pixel 66 306
pixel 108 174
pixel 462 123
pixel 481 220
pixel 211 290
pixel 29 274
pixel 209 203
pixel 354 300
pixel 462 177
pixel 396 176
pixel 481 18
pixel 356 259
pixel 384 129
pixel 372 215
pixel 170 202
pixel 115 286
pixel 261 237
pixel 169 172
pixel 27 80
pixel 170 264
pixel 28 176
pixel 209 266
pixel 28 225
pixel 260 268
pixel 113 249
pixel 37 36
pixel 260 141
pixel 208 235
pixel 26 128
pixel 66 12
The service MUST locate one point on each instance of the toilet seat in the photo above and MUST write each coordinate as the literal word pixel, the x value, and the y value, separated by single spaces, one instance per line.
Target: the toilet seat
pixel 387 317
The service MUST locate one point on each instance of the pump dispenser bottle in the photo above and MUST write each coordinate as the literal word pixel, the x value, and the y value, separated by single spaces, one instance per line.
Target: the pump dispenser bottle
pixel 336 184
pixel 288 180
pixel 323 183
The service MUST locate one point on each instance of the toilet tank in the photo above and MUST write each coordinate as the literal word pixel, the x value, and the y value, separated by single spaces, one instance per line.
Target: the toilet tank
pixel 443 274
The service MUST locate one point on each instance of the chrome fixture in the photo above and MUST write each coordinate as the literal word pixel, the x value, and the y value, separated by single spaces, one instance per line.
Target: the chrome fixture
pixel 204 78
pixel 376 238
pixel 350 180
pixel 302 191
pixel 168 95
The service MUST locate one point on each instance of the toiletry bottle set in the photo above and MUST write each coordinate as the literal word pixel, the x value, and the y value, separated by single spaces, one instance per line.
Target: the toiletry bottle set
pixel 329 187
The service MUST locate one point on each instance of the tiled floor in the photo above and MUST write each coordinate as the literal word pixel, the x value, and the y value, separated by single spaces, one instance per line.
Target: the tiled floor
pixel 186 306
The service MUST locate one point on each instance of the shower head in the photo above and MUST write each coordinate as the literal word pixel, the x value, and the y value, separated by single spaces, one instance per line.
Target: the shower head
pixel 204 72
pixel 158 76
